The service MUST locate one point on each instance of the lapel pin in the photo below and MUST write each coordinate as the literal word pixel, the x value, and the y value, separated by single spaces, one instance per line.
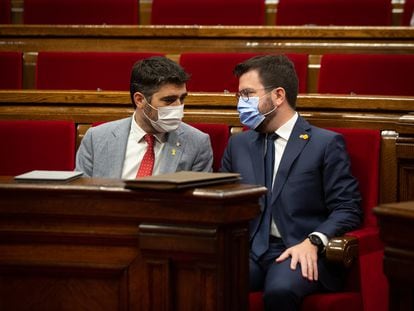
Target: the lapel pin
pixel 178 144
pixel 304 136
pixel 173 152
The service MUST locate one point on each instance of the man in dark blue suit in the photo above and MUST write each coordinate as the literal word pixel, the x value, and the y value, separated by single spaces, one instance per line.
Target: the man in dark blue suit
pixel 312 194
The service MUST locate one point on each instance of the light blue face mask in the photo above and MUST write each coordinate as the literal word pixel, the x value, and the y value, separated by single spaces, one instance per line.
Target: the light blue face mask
pixel 249 113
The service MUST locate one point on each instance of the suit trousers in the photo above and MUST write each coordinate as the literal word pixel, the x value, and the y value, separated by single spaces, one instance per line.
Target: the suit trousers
pixel 283 288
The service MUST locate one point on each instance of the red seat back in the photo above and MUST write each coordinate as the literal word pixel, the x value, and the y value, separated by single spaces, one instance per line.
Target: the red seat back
pixel 80 12
pixel 334 12
pixel 363 146
pixel 408 12
pixel 36 145
pixel 367 74
pixel 219 135
pixel 213 72
pixel 86 70
pixel 11 64
pixel 208 12
pixel 5 12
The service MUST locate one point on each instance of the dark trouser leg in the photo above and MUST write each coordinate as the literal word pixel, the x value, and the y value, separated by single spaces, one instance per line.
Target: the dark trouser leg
pixel 285 288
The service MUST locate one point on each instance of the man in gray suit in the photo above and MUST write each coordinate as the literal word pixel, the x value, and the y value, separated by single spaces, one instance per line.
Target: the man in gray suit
pixel 116 149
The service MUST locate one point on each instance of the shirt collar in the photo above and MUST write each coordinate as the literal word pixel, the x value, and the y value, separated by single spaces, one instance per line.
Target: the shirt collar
pixel 286 129
pixel 138 133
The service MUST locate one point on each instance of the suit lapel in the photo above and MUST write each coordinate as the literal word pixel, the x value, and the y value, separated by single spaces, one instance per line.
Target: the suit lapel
pixel 172 152
pixel 116 147
pixel 255 145
pixel 297 141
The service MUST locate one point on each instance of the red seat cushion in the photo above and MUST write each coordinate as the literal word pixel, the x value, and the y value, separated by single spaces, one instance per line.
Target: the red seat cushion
pixel 333 302
pixel 36 145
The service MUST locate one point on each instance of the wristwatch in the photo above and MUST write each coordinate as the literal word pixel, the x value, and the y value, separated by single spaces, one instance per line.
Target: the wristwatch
pixel 316 240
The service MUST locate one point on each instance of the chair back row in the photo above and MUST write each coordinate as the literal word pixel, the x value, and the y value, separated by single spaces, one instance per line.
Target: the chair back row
pixel 208 12
pixel 51 145
pixel 361 74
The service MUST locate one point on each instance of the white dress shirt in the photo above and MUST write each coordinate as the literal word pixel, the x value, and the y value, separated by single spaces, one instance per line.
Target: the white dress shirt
pixel 136 148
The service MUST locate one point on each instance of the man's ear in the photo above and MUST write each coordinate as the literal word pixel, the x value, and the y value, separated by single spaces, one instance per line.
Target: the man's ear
pixel 139 100
pixel 278 95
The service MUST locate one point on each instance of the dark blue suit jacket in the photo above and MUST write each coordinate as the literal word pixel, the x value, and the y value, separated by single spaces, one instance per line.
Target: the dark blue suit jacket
pixel 314 189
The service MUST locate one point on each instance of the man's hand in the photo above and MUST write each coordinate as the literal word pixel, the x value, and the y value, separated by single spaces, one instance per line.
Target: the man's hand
pixel 307 255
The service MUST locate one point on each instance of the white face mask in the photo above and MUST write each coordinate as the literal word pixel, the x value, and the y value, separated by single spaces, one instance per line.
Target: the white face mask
pixel 169 118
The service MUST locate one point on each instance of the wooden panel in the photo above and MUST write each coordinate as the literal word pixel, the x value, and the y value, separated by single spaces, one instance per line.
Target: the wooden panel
pixel 91 244
pixel 405 152
pixel 396 223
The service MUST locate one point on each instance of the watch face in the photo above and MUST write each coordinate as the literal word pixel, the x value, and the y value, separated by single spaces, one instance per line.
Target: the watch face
pixel 315 240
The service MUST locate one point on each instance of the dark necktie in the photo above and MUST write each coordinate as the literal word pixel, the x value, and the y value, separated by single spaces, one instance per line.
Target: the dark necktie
pixel 147 163
pixel 260 241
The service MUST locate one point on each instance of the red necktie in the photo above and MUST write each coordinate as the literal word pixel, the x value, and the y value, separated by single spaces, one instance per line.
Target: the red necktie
pixel 147 164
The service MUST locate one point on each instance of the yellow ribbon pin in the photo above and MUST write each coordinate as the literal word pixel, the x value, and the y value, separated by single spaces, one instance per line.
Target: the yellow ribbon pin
pixel 173 151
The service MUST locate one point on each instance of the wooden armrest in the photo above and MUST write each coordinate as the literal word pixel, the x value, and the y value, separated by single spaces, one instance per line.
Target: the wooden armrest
pixel 342 250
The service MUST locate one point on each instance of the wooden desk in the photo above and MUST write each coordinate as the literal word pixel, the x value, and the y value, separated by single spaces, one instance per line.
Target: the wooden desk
pixel 91 244
pixel 396 222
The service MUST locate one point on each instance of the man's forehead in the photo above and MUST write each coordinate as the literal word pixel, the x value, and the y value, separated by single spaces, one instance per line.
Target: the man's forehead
pixel 250 80
pixel 171 90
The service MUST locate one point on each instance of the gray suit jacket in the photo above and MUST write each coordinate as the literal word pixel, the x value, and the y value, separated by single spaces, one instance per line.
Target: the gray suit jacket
pixel 103 148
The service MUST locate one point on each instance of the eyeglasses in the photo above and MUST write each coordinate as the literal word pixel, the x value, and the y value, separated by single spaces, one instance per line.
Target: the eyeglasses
pixel 246 93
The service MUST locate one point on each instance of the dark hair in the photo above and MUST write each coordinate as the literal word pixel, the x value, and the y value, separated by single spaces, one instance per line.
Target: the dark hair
pixel 149 74
pixel 274 71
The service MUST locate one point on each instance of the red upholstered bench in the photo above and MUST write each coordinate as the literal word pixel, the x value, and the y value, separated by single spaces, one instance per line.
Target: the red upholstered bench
pixel 5 12
pixel 334 12
pixel 208 12
pixel 408 12
pixel 213 72
pixel 367 74
pixel 81 12
pixel 36 145
pixel 87 70
pixel 11 64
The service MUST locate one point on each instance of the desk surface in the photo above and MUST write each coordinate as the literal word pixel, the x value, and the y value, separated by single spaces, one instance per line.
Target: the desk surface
pixel 218 203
